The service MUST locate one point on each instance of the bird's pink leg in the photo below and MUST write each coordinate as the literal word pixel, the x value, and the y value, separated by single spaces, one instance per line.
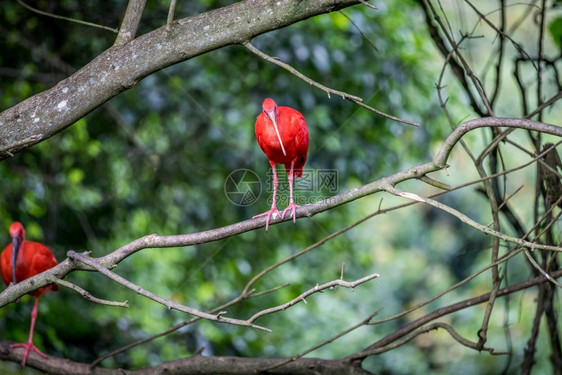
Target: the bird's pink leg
pixel 292 204
pixel 29 346
pixel 273 209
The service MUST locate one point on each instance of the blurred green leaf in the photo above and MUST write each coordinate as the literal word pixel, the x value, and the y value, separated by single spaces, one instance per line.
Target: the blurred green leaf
pixel 555 28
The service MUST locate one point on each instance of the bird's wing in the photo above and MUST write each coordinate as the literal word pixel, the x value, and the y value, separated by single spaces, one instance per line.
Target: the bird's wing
pixel 301 140
pixel 6 265
pixel 42 258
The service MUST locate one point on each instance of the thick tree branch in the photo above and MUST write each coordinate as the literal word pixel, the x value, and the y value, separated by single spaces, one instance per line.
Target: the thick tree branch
pixel 122 66
pixel 194 365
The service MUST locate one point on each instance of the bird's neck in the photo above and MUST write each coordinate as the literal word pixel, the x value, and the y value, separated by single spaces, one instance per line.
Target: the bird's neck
pixel 21 255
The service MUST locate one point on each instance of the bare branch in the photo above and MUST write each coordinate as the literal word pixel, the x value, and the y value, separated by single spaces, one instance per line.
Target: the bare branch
pixel 539 268
pixel 458 64
pixel 539 60
pixel 380 345
pixel 364 2
pixel 171 12
pixel 130 23
pixel 355 99
pixel 364 322
pixel 246 292
pixel 465 219
pixel 169 304
pixel 500 31
pixel 359 30
pixel 438 184
pixel 547 103
pixel 316 289
pixel 461 340
pixel 194 365
pixel 87 294
pixel 43 13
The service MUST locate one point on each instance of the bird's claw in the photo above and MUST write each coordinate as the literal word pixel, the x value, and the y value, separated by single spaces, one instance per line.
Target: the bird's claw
pixel 291 206
pixel 273 211
pixel 28 347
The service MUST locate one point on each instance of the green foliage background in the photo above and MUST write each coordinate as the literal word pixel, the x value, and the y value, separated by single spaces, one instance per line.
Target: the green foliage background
pixel 155 159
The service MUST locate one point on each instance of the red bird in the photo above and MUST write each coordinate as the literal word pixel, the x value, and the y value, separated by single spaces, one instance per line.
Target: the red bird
pixel 283 136
pixel 20 260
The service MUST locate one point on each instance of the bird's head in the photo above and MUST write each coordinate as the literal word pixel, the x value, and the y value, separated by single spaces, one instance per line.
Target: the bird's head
pixel 269 107
pixel 18 234
pixel 270 110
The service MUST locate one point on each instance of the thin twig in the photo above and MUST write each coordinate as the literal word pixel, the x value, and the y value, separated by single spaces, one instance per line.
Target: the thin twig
pixel 465 219
pixel 547 103
pixel 131 22
pixel 174 328
pixel 433 182
pixel 383 343
pixel 169 304
pixel 359 30
pixel 362 323
pixel 461 340
pixel 171 12
pixel 539 62
pixel 355 99
pixel 364 2
pixel 539 268
pixel 87 294
pixel 316 289
pixel 43 13
pixel 465 66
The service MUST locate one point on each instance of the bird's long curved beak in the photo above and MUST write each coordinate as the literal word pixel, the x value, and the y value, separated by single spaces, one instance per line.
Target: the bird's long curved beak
pixel 15 250
pixel 273 119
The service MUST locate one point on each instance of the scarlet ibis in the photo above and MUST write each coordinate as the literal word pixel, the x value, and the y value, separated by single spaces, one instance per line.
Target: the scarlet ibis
pixel 283 136
pixel 20 260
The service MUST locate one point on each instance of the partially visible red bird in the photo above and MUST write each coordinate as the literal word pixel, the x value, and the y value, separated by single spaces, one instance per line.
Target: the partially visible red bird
pixel 20 260
pixel 283 136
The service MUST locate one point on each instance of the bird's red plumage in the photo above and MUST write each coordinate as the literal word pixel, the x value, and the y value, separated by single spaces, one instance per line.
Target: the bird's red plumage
pixel 283 136
pixel 294 134
pixel 33 258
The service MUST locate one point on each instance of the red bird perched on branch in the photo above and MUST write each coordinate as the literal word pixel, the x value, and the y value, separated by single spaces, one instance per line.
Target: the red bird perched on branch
pixel 20 260
pixel 283 136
